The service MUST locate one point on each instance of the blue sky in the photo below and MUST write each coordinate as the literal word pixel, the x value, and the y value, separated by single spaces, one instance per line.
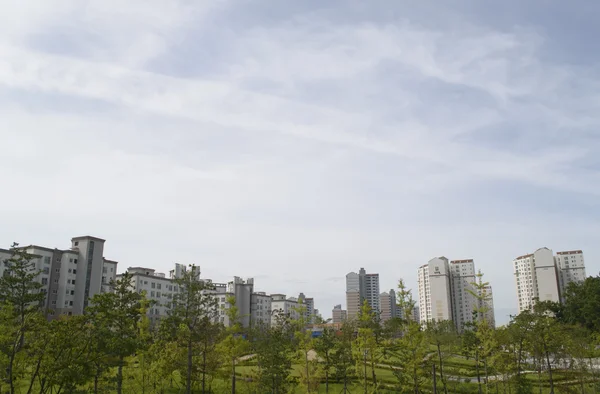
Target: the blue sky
pixel 297 141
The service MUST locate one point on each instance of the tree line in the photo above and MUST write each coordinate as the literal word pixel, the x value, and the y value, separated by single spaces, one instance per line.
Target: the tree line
pixel 113 347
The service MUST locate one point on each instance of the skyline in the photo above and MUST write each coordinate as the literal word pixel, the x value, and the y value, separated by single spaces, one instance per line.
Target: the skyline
pixel 502 315
pixel 254 138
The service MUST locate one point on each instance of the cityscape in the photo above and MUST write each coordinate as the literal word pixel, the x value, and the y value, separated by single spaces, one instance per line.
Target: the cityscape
pixel 448 290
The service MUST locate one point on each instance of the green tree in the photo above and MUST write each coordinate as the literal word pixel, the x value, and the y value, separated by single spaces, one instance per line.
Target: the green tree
pixel 443 336
pixel 273 349
pixel 582 304
pixel 366 349
pixel 234 345
pixel 325 347
pixel 21 299
pixel 191 324
pixel 304 344
pixel 341 359
pixel 59 355
pixel 412 345
pixel 118 314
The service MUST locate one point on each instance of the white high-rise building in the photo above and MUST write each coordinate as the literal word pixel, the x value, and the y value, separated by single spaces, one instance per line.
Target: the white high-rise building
pixel 571 268
pixel 353 298
pixel 435 298
pixel 261 309
pixel 544 277
pixel 447 291
pixel 71 277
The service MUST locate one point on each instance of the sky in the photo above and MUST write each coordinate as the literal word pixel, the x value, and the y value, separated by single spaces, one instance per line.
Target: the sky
pixel 296 141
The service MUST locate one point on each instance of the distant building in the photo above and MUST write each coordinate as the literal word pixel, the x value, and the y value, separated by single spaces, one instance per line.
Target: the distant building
pixel 387 304
pixel 448 291
pixel 338 315
pixel 359 288
pixel 69 277
pixel 261 309
pixel 283 308
pixel 545 277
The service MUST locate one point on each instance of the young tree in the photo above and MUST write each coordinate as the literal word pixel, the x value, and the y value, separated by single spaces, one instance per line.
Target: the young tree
pixel 366 349
pixel 341 358
pixel 234 345
pixel 482 327
pixel 117 314
pixel 21 300
pixel 191 323
pixel 273 348
pixel 304 343
pixel 412 345
pixel 442 335
pixel 325 346
pixel 59 355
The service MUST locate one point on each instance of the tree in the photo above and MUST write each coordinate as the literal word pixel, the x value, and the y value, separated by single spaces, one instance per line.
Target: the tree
pixel 273 348
pixel 304 344
pixel 191 323
pixel 483 343
pixel 59 355
pixel 117 314
pixel 234 345
pixel 442 335
pixel 366 349
pixel 325 346
pixel 412 345
pixel 582 304
pixel 21 299
pixel 341 358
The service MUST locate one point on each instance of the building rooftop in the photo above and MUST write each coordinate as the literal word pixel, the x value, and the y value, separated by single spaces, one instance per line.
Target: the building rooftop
pixel 570 252
pixel 461 261
pixel 88 237
pixel 524 256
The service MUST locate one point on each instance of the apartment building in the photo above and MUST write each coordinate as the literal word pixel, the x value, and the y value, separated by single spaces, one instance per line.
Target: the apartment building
pixel 447 291
pixel 435 296
pixel 260 309
pixel 542 276
pixel 571 269
pixel 359 288
pixel 309 305
pixel 283 307
pixel 338 315
pixel 387 304
pixel 70 277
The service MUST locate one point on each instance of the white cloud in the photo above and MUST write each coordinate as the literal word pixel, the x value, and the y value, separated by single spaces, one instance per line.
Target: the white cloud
pixel 314 143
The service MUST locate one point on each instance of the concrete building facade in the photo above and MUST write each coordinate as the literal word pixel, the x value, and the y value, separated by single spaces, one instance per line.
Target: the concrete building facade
pixel 447 291
pixel 69 277
pixel 542 276
pixel 387 306
pixel 359 288
pixel 338 315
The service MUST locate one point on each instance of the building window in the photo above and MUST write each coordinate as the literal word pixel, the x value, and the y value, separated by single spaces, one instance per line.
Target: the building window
pixel 75 261
pixel 73 281
pixel 151 294
pixel 104 270
pixel 153 285
pixel 70 270
pixel 74 271
pixel 46 270
pixel 158 286
pixel 158 294
pixel 47 260
pixel 72 292
pixel 57 270
pixel 76 243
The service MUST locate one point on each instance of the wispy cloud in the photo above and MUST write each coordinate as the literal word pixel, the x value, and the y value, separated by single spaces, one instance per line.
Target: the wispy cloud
pixel 322 136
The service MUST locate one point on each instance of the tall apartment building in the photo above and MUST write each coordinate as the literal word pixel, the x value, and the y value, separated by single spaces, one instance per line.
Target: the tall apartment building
pixel 435 297
pixel 545 277
pixel 361 287
pixel 338 315
pixel 70 277
pixel 387 304
pixel 447 292
pixel 571 268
